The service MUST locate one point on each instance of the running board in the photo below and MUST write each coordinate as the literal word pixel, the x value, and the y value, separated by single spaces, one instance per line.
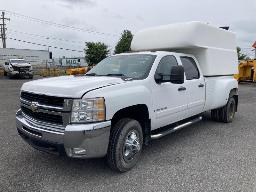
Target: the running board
pixel 164 133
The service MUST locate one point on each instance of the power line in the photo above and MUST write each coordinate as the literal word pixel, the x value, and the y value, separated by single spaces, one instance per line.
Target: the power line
pixel 58 24
pixel 45 37
pixel 52 38
pixel 3 28
pixel 246 47
pixel 44 45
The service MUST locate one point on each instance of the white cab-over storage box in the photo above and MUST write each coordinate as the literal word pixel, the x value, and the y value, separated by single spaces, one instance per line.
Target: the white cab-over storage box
pixel 214 48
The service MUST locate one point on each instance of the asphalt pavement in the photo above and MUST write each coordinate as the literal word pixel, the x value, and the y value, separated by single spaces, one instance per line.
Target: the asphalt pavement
pixel 207 156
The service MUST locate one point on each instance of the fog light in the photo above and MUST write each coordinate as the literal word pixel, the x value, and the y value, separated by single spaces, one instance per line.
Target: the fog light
pixel 72 152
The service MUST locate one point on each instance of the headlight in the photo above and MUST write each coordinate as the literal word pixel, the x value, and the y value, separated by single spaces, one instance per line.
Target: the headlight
pixel 88 110
pixel 10 67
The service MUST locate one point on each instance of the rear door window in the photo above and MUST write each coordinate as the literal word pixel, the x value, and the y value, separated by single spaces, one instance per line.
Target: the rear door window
pixel 190 68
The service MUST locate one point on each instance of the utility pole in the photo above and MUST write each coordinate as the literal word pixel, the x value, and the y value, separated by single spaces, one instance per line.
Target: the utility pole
pixel 254 46
pixel 3 28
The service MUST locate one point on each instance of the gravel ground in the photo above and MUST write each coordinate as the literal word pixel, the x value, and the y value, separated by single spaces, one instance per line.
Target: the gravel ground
pixel 207 156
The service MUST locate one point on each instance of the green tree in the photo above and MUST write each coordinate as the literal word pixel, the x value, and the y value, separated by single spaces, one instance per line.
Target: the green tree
pixel 124 43
pixel 241 56
pixel 95 52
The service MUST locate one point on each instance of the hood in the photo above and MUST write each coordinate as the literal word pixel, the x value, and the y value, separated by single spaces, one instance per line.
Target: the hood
pixel 21 64
pixel 69 86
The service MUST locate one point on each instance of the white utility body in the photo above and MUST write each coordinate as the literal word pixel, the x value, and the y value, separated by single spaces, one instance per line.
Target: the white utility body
pixel 166 83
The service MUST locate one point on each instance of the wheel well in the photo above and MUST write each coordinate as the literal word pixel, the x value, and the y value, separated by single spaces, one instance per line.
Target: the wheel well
pixel 234 93
pixel 137 112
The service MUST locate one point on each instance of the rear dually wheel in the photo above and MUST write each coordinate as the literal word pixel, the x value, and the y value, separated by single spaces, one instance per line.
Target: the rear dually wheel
pixel 225 114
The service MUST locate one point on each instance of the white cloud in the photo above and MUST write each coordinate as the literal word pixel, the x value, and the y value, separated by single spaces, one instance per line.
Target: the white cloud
pixel 112 16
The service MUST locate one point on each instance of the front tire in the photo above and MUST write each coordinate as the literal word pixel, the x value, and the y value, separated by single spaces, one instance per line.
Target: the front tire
pixel 10 75
pixel 125 145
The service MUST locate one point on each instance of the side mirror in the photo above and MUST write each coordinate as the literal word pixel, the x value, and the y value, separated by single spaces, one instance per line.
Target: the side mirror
pixel 158 78
pixel 6 63
pixel 177 75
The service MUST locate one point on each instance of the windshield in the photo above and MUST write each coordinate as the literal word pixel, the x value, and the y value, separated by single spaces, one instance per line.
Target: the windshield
pixel 135 66
pixel 17 61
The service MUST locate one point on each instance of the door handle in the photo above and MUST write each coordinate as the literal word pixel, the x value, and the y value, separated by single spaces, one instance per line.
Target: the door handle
pixel 182 89
pixel 201 85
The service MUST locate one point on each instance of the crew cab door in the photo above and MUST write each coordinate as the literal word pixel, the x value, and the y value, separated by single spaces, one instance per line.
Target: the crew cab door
pixel 195 86
pixel 169 100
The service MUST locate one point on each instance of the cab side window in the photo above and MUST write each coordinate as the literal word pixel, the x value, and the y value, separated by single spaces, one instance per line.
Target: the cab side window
pixel 190 68
pixel 165 65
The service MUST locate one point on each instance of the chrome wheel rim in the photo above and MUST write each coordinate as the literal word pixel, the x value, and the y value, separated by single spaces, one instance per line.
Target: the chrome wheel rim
pixel 131 145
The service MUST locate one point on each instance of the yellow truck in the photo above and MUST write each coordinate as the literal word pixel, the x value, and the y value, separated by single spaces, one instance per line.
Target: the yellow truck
pixel 246 71
pixel 77 71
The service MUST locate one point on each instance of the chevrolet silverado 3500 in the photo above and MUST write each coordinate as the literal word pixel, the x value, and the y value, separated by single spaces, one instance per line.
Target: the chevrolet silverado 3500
pixel 129 99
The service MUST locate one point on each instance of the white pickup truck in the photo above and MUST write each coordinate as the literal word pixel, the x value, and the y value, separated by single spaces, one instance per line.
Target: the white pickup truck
pixel 18 68
pixel 125 101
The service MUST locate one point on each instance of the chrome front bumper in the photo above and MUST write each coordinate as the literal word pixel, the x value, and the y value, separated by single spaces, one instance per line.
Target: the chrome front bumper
pixel 14 73
pixel 76 140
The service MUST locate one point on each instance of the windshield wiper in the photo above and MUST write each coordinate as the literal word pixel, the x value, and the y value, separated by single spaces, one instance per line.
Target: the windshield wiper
pixel 91 74
pixel 124 77
pixel 116 74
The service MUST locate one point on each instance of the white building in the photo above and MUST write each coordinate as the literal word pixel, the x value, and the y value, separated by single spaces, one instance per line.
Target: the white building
pixel 70 62
pixel 34 57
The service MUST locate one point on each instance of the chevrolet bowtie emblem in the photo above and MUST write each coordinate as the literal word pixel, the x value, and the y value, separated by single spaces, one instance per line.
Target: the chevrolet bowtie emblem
pixel 34 106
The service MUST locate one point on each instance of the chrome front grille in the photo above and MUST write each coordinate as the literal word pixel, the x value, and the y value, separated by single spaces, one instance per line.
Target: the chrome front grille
pixel 50 111
pixel 41 116
pixel 43 99
pixel 43 125
pixel 20 69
